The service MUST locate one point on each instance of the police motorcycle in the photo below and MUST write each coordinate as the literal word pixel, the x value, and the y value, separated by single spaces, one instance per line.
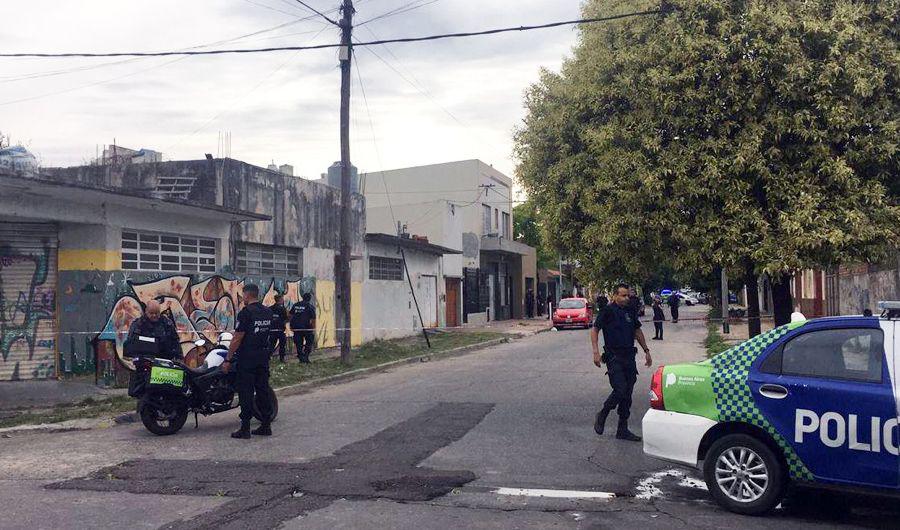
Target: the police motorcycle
pixel 167 391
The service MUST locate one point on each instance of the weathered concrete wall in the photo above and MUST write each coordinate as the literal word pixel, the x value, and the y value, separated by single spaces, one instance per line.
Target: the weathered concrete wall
pixel 861 288
pixel 390 311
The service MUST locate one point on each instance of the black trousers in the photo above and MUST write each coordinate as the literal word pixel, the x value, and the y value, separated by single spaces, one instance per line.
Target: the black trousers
pixel 622 371
pixel 278 340
pixel 675 314
pixel 659 329
pixel 253 386
pixel 304 342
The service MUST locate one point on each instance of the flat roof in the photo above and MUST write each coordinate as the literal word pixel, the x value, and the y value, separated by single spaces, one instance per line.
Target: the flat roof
pixel 65 190
pixel 410 243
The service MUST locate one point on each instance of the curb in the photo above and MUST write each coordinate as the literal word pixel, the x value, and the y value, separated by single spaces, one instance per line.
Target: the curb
pixel 290 390
pixel 301 388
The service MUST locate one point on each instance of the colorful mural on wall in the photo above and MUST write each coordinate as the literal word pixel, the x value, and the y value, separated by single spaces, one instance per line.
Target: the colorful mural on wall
pixel 200 309
pixel 27 313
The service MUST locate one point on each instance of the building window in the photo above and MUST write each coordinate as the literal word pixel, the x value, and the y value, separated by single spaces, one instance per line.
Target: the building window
pixel 506 229
pixel 263 260
pixel 385 268
pixel 496 220
pixel 144 251
pixel 486 217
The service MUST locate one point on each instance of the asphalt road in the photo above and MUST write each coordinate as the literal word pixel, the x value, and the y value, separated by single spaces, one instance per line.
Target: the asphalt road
pixel 422 446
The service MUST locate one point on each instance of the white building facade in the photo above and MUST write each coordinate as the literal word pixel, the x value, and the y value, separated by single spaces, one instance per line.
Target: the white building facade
pixel 465 206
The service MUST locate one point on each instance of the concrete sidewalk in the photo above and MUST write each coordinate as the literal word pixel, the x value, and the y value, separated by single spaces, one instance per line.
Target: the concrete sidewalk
pixel 525 327
pixel 21 395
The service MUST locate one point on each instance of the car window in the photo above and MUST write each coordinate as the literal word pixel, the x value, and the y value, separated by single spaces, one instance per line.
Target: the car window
pixel 847 354
pixel 571 304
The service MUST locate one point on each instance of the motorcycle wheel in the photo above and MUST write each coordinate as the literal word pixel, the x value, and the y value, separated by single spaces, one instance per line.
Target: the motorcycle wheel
pixel 163 422
pixel 273 399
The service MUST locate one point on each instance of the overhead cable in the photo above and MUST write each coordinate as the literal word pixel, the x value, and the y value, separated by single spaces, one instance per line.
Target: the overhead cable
pixel 325 46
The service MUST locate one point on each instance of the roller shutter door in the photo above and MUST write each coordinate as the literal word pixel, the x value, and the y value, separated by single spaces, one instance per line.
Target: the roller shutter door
pixel 28 280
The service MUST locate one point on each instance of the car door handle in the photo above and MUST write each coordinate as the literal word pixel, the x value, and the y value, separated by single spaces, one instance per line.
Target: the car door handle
pixel 773 391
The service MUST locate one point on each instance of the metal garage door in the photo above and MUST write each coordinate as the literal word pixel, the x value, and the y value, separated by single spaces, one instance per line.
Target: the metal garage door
pixel 27 301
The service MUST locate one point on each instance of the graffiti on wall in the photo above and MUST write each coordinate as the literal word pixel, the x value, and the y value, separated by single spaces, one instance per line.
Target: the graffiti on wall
pixel 201 309
pixel 27 314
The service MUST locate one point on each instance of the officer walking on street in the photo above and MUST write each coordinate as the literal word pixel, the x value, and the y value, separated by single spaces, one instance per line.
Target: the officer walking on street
pixel 251 345
pixel 621 326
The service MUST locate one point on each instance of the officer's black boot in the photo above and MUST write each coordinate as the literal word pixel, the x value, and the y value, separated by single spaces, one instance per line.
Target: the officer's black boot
pixel 600 422
pixel 624 434
pixel 243 432
pixel 264 430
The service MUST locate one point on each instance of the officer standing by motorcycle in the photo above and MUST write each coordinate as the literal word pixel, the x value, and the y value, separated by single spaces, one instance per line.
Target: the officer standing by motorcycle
pixel 621 326
pixel 251 345
pixel 157 326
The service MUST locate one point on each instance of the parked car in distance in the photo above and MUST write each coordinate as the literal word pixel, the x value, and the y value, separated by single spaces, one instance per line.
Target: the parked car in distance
pixel 688 299
pixel 573 313
pixel 703 298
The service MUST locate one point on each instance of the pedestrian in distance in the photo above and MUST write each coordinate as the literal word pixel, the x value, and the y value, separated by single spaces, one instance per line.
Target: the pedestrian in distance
pixel 621 327
pixel 674 302
pixel 867 312
pixel 251 346
pixel 658 318
pixel 303 326
pixel 279 320
pixel 154 325
pixel 529 304
pixel 601 302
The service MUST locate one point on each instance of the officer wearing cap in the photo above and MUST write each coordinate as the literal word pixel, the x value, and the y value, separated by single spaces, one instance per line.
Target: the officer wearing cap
pixel 621 326
pixel 252 345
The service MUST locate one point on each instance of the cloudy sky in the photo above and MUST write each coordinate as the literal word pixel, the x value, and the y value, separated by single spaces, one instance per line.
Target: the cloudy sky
pixel 427 102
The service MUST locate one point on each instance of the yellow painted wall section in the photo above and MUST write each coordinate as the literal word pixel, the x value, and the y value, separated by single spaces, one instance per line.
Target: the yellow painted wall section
pixel 325 314
pixel 356 332
pixel 89 260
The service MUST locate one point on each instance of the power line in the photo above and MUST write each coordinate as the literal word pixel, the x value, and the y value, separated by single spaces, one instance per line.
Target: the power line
pixel 338 45
pixel 270 8
pixel 400 10
pixel 316 11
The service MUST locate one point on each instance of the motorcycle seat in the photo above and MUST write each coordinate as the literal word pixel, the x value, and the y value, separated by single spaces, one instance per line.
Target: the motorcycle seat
pixel 199 371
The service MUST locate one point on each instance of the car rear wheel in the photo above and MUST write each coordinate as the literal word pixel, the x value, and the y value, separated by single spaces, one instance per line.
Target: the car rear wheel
pixel 744 475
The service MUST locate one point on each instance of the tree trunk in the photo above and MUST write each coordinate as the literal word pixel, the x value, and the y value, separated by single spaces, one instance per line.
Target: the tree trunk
pixel 782 300
pixel 754 325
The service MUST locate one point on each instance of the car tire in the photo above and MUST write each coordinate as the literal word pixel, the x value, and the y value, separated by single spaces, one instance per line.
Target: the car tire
pixel 740 490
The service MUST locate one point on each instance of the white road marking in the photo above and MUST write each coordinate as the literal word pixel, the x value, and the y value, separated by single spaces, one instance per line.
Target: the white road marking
pixel 554 494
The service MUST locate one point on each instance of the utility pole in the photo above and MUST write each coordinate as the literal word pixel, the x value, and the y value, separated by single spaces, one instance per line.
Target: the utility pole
pixel 343 260
pixel 726 328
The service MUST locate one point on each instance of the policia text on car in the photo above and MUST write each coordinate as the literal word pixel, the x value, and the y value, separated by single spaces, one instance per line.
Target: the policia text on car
pixel 251 345
pixel 621 326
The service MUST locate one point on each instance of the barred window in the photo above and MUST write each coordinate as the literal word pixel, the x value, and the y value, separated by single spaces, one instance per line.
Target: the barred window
pixel 260 260
pixel 385 268
pixel 146 251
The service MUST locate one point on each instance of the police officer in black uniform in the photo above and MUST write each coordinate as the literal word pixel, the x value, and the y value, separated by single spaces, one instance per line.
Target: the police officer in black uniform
pixel 280 319
pixel 251 345
pixel 621 326
pixel 154 324
pixel 303 325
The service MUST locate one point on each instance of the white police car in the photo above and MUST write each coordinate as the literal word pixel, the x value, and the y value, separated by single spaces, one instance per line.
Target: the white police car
pixel 813 402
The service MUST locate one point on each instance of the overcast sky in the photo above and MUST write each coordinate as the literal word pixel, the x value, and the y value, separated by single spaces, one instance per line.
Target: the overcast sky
pixel 456 99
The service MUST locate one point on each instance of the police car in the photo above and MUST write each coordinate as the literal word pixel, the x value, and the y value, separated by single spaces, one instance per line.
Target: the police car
pixel 813 402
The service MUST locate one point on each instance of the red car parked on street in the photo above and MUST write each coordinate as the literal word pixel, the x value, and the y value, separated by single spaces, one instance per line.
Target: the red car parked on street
pixel 573 313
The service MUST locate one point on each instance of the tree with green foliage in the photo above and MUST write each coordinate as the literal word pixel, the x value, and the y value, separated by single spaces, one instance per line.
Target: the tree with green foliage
pixel 757 136
pixel 527 229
